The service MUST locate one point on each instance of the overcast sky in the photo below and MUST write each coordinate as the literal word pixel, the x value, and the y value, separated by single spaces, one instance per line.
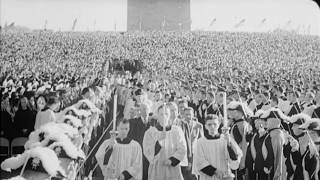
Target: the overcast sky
pixel 259 15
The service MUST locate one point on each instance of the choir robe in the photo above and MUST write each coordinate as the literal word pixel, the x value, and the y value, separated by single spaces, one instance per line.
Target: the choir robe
pixel 125 157
pixel 224 156
pixel 157 152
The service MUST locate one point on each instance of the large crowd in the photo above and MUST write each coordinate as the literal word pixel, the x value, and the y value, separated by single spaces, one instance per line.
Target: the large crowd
pixel 176 80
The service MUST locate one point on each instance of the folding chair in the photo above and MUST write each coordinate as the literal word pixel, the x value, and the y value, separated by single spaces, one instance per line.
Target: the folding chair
pixel 4 148
pixel 17 145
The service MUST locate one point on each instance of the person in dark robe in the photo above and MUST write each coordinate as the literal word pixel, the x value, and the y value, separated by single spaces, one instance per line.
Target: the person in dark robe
pixel 24 119
pixel 240 130
pixel 297 156
pixel 255 163
pixel 311 157
pixel 294 103
pixel 274 144
pixel 6 119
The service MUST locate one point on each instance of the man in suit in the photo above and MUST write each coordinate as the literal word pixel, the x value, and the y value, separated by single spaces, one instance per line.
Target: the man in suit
pixel 193 130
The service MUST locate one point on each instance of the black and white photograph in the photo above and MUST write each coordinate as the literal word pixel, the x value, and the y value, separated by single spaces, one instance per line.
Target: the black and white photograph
pixel 160 89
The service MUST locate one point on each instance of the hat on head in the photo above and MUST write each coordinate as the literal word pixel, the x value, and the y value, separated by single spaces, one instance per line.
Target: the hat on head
pixel 238 106
pixel 312 125
pixel 274 113
pixel 300 118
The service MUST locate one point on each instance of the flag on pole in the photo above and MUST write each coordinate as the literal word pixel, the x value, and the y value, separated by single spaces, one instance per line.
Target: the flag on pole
pixel 164 22
pixel 240 23
pixel 213 21
pixel 74 24
pixel 45 25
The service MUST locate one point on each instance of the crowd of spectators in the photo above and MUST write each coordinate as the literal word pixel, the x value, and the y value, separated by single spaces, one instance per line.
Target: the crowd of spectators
pixel 41 70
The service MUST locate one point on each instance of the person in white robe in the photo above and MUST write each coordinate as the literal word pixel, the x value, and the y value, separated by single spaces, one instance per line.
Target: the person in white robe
pixel 164 146
pixel 120 157
pixel 217 154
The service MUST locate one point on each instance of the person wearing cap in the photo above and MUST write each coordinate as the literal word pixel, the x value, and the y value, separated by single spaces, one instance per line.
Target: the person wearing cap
pixel 255 162
pixel 226 156
pixel 164 146
pixel 273 145
pixel 240 130
pixel 302 139
pixel 311 158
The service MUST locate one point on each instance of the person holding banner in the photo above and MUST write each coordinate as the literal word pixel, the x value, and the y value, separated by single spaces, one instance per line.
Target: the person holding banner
pixel 120 157
pixel 164 146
